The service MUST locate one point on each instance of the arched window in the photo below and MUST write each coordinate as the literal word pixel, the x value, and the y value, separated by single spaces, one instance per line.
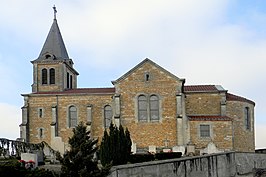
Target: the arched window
pixel 40 133
pixel 44 76
pixel 73 116
pixel 247 118
pixel 154 108
pixel 68 80
pixel 142 108
pixel 71 81
pixel 107 116
pixel 52 76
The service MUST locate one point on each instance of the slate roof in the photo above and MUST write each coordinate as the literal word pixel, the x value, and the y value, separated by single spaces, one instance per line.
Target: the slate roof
pixel 209 118
pixel 53 45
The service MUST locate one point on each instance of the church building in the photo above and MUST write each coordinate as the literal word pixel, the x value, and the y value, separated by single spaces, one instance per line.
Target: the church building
pixel 159 109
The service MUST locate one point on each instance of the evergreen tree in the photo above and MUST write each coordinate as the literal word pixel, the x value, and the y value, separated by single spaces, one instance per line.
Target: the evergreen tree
pixel 115 147
pixel 128 143
pixel 105 149
pixel 79 160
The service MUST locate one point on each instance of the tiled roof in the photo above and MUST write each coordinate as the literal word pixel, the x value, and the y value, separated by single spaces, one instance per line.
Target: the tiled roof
pixel 200 88
pixel 209 118
pixel 83 91
pixel 232 97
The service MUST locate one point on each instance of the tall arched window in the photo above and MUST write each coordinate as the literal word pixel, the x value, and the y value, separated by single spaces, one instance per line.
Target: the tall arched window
pixel 44 76
pixel 71 81
pixel 73 116
pixel 154 108
pixel 107 116
pixel 142 108
pixel 52 76
pixel 247 118
pixel 67 80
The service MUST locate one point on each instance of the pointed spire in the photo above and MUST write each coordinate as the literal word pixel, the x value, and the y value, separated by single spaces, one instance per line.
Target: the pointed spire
pixel 54 47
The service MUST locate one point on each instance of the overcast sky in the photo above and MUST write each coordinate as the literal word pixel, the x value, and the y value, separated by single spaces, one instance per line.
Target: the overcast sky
pixel 221 42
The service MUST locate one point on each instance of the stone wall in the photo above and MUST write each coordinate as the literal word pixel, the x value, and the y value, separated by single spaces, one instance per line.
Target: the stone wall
pixel 217 165
pixel 244 139
pixel 163 85
pixel 46 102
pixel 203 103
pixel 221 134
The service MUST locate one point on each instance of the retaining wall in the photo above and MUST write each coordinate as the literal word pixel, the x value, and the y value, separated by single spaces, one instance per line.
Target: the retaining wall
pixel 231 164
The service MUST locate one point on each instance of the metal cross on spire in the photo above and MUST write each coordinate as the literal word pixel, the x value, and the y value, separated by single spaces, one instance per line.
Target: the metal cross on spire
pixel 55 11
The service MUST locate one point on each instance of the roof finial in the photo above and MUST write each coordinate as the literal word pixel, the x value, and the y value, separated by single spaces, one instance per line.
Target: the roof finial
pixel 55 11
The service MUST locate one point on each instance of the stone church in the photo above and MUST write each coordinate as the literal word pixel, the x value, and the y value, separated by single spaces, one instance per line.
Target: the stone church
pixel 159 109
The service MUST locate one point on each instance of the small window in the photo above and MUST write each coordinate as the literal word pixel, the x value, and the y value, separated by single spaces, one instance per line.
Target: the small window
pixel 47 56
pixel 40 133
pixel 44 76
pixel 205 131
pixel 107 116
pixel 73 117
pixel 247 118
pixel 52 76
pixel 147 76
pixel 40 112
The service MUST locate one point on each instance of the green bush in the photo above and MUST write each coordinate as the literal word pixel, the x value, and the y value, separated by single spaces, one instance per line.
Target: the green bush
pixel 12 168
pixel 138 158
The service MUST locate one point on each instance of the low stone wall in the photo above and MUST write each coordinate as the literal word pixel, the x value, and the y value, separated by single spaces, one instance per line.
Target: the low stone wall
pixel 215 165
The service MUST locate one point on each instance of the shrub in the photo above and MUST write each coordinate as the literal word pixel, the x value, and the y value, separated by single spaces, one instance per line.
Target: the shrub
pixel 168 155
pixel 115 147
pixel 11 168
pixel 138 158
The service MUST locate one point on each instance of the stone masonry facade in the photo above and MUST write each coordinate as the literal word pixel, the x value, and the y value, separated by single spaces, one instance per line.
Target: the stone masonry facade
pixel 156 106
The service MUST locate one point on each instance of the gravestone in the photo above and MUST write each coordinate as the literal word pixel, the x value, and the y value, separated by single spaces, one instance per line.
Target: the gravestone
pixel 30 157
pixel 181 149
pixel 210 149
pixel 152 149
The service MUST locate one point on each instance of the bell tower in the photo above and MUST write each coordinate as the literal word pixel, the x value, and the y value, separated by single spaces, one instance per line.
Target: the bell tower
pixel 53 70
